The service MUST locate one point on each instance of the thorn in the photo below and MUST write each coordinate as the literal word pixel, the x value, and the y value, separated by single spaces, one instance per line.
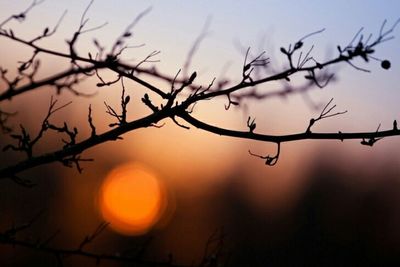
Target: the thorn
pixel 341 137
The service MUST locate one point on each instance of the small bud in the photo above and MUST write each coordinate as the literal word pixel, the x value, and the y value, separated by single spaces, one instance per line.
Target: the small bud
pixel 192 77
pixel 45 31
pixel 271 161
pixel 246 67
pixel 363 142
pixel 127 34
pixel 385 64
pixel 23 66
pixel 298 45
pixel 341 137
pixel 127 98
pixel 253 127
pixel 364 56
pixel 21 16
pixel 283 50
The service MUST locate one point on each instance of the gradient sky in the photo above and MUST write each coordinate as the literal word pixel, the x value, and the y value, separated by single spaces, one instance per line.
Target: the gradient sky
pixel 191 161
pixel 172 27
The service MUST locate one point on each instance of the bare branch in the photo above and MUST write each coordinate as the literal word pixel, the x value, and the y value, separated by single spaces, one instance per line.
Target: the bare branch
pixel 270 160
pixel 90 120
pixel 8 238
pixel 4 117
pixel 176 102
pixel 21 16
pixel 325 113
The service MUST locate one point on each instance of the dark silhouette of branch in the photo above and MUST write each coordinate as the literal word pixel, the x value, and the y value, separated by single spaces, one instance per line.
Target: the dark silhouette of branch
pixel 269 160
pixel 4 117
pixel 9 237
pixel 179 111
pixel 124 102
pixel 291 137
pixel 26 142
pixel 78 148
pixel 172 109
pixel 55 81
pixel 286 90
pixel 215 253
pixel 176 103
pixel 325 113
pixel 21 16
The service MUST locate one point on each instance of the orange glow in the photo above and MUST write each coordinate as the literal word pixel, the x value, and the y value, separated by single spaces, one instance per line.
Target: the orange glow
pixel 132 199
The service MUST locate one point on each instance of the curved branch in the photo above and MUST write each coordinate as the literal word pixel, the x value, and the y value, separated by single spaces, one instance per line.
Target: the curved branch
pixel 286 138
pixel 113 65
pixel 78 148
pixel 11 92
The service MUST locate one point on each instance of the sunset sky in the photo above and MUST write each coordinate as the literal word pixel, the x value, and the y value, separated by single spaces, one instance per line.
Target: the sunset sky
pixel 193 166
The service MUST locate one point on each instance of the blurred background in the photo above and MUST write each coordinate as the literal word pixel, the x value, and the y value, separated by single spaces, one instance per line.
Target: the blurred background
pixel 325 203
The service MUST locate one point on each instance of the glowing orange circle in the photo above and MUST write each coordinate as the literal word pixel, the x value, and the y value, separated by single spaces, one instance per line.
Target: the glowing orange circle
pixel 131 199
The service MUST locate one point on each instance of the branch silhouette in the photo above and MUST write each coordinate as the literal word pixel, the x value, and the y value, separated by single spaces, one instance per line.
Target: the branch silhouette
pixel 9 237
pixel 184 87
pixel 177 103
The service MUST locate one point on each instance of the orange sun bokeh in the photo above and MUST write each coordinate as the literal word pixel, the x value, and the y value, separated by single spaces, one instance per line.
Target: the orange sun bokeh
pixel 132 199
